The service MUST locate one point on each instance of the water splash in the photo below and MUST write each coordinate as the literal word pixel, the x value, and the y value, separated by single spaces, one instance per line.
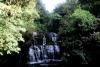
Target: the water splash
pixel 44 53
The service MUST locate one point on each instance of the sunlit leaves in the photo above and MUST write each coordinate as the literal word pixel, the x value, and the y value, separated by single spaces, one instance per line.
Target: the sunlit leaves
pixel 87 19
pixel 14 19
pixel 82 18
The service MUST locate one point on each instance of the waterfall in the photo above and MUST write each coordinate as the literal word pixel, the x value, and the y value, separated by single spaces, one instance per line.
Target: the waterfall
pixel 44 40
pixel 44 53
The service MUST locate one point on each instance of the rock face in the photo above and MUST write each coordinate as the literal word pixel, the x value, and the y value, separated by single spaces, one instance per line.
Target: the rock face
pixel 42 52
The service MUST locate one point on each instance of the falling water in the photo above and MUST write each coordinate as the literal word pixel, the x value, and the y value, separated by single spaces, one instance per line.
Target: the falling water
pixel 44 53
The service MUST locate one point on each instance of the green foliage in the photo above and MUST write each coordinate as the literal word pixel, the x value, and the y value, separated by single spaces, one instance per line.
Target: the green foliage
pixel 66 8
pixel 14 19
pixel 79 19
pixel 92 6
pixel 55 16
pixel 87 19
pixel 44 17
pixel 75 31
pixel 96 36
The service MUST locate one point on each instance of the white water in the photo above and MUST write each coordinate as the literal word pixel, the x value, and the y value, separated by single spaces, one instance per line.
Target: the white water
pixel 44 53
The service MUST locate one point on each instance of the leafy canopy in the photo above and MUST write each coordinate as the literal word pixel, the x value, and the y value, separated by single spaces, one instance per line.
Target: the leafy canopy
pixel 16 16
pixel 87 19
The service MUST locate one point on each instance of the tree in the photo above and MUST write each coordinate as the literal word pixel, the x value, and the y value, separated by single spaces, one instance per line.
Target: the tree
pixel 87 19
pixel 62 13
pixel 75 31
pixel 66 8
pixel 92 6
pixel 16 16
pixel 43 17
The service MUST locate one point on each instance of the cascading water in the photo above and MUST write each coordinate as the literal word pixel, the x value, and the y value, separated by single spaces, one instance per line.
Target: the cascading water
pixel 44 53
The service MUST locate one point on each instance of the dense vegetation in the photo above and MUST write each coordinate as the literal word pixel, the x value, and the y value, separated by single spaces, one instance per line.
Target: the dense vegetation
pixel 76 21
pixel 78 27
pixel 16 17
pixel 79 31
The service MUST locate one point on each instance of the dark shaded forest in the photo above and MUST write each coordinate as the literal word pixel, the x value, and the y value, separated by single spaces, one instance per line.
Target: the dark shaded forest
pixel 77 23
